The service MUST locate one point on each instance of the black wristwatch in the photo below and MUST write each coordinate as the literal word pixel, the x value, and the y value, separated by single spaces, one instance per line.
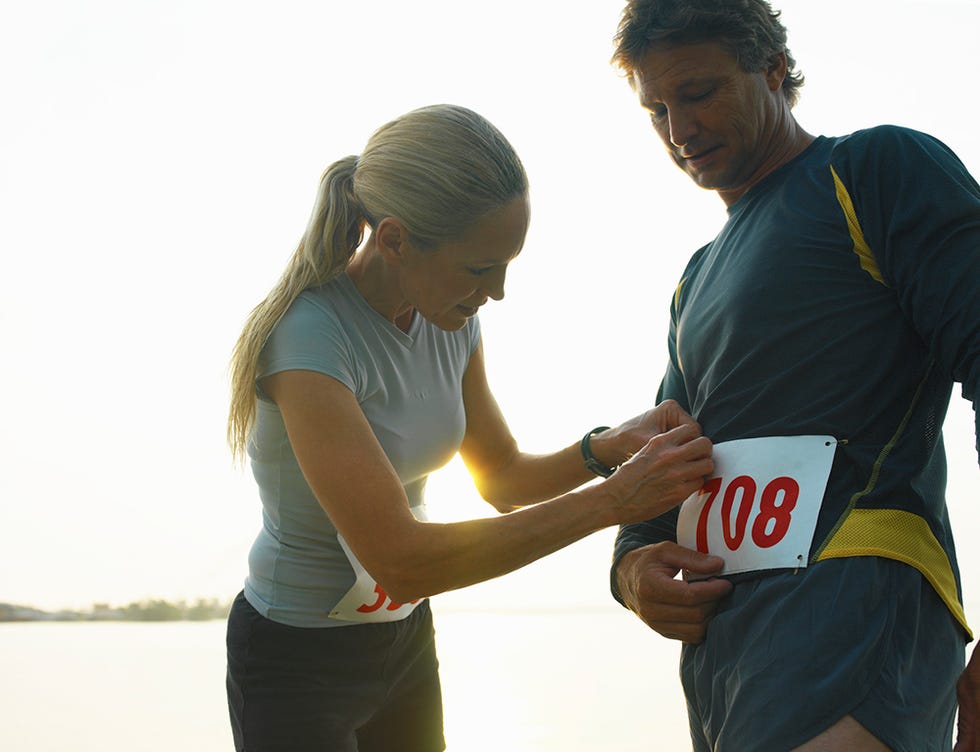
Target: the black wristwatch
pixel 591 463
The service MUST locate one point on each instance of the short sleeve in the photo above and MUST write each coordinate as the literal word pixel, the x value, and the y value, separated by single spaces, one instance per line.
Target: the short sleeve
pixel 309 337
pixel 473 334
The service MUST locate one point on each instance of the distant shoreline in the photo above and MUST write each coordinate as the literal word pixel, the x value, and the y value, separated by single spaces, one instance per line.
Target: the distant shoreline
pixel 202 609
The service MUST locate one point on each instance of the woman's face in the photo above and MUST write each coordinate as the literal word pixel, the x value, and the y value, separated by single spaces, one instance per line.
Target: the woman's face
pixel 449 284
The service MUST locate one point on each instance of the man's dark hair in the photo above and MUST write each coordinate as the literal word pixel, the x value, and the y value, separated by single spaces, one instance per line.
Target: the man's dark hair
pixel 749 29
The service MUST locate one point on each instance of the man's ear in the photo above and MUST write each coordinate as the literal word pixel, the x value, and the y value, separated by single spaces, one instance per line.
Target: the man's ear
pixel 776 72
pixel 391 239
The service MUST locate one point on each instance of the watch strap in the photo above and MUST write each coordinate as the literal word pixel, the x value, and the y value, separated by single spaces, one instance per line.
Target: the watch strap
pixel 591 463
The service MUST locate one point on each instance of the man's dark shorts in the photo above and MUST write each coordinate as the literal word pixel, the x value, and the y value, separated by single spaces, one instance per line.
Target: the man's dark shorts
pixel 789 655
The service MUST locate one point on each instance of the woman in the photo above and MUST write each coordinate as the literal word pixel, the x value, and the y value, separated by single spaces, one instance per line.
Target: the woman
pixel 359 374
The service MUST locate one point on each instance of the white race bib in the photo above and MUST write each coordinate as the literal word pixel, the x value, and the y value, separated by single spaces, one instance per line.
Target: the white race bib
pixel 367 601
pixel 759 509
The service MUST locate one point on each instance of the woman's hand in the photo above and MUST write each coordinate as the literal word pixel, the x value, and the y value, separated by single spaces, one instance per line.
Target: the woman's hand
pixel 616 445
pixel 661 474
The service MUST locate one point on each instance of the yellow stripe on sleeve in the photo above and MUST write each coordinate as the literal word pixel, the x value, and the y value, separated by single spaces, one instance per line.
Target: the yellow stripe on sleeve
pixel 861 247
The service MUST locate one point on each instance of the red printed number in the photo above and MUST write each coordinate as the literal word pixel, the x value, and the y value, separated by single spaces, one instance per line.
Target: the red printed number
pixel 778 515
pixel 733 538
pixel 370 608
pixel 772 522
pixel 712 487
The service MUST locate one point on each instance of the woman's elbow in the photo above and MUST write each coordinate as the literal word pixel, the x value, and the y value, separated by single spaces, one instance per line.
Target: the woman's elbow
pixel 505 506
pixel 496 496
pixel 402 589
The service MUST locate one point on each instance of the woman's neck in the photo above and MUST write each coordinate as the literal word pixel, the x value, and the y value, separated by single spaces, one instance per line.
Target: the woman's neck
pixel 378 284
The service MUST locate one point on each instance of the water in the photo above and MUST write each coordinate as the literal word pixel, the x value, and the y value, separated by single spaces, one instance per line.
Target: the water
pixel 573 680
pixel 592 681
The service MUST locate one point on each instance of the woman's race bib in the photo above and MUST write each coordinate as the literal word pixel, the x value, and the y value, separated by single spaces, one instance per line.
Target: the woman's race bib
pixel 367 601
pixel 759 509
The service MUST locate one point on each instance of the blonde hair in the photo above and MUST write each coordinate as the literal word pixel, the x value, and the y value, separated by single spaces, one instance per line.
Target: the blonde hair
pixel 437 169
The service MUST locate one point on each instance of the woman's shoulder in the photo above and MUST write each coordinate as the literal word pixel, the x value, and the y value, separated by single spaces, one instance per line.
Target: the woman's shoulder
pixel 311 321
pixel 325 300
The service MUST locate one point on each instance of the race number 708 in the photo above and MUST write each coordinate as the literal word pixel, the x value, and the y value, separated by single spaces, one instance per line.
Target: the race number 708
pixel 772 521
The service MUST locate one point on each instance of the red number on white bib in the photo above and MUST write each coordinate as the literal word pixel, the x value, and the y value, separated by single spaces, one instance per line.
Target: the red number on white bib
pixel 733 538
pixel 744 489
pixel 712 487
pixel 369 608
pixel 779 514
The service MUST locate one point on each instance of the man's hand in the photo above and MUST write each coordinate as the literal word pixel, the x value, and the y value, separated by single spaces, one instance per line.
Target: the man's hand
pixel 968 696
pixel 676 609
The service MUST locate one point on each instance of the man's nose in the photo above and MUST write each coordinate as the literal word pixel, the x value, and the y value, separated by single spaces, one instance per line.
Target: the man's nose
pixel 682 126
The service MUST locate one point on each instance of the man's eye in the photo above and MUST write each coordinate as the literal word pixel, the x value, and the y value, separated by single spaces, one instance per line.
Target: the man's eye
pixel 657 114
pixel 701 95
pixel 477 272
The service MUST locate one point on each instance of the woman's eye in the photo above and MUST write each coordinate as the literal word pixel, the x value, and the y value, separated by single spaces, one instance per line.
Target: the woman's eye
pixel 477 272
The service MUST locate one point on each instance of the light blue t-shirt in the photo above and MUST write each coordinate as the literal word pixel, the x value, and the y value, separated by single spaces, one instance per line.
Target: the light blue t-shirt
pixel 409 386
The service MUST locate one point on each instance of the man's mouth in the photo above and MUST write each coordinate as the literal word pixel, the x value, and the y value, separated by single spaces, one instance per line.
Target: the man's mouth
pixel 700 157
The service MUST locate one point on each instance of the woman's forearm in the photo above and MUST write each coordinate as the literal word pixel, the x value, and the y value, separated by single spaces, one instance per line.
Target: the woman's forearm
pixel 531 478
pixel 425 558
pixel 435 557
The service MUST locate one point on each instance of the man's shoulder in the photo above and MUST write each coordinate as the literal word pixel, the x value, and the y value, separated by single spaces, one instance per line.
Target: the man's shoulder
pixel 889 155
pixel 886 140
pixel 883 131
pixel 694 261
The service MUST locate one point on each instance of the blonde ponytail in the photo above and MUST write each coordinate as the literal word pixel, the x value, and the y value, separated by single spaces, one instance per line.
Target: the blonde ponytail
pixel 332 235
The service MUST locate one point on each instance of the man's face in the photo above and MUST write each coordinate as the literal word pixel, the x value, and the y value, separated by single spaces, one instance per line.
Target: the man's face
pixel 719 123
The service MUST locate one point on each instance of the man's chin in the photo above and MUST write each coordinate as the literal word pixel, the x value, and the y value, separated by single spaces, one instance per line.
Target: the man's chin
pixel 701 178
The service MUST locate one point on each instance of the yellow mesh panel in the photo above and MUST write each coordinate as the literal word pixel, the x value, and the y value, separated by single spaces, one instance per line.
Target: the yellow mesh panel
pixel 861 247
pixel 902 536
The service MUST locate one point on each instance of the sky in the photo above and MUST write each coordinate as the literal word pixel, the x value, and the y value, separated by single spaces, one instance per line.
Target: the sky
pixel 158 162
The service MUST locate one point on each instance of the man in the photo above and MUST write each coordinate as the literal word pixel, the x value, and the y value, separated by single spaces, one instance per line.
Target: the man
pixel 816 339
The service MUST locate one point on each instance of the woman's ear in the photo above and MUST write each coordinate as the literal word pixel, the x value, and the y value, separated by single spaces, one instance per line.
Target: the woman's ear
pixel 391 239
